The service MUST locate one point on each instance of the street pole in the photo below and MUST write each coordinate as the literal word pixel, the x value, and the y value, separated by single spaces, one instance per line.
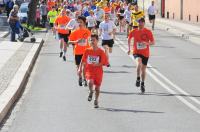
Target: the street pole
pixel 143 5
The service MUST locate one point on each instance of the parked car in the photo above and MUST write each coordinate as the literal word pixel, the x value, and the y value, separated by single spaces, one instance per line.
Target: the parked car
pixel 23 12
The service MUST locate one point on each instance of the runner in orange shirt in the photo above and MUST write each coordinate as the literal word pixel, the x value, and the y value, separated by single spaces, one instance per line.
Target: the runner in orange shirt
pixel 80 37
pixel 50 4
pixel 63 34
pixel 93 60
pixel 143 38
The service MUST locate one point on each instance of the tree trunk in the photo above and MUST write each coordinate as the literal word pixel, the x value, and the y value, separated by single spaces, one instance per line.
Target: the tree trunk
pixel 32 12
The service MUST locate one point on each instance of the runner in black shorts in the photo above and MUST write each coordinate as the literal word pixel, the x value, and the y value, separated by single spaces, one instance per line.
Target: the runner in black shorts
pixel 107 31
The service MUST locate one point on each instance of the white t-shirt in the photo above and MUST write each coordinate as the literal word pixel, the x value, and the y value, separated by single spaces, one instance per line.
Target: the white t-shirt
pixel 91 21
pixel 78 7
pixel 72 24
pixel 152 10
pixel 127 15
pixel 106 28
pixel 99 15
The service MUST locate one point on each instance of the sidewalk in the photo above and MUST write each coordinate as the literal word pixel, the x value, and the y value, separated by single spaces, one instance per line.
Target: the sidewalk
pixel 4 31
pixel 16 62
pixel 187 31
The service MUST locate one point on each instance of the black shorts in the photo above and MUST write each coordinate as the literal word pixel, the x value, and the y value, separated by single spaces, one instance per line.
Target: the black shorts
pixel 51 24
pixel 63 36
pixel 78 59
pixel 108 42
pixel 90 28
pixel 121 17
pixel 98 22
pixel 135 27
pixel 152 17
pixel 144 59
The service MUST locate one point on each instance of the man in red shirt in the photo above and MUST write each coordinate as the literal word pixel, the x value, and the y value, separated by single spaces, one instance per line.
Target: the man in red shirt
pixel 143 38
pixel 92 62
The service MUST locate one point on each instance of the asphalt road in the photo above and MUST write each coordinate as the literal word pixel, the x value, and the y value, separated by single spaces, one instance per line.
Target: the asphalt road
pixel 55 102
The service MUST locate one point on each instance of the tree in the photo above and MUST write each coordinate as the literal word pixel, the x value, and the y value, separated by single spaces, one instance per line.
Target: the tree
pixel 32 12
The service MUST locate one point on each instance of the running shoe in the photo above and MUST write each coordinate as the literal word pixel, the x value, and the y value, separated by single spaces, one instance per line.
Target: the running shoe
pixel 137 83
pixel 80 82
pixel 90 96
pixel 64 58
pixel 96 105
pixel 142 88
pixel 85 83
pixel 61 54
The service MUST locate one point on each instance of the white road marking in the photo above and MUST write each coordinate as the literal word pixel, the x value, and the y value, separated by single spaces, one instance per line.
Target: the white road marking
pixel 194 108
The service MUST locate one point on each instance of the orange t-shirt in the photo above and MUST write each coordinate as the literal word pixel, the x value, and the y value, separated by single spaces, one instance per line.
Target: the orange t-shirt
pixel 143 35
pixel 107 9
pixel 82 34
pixel 91 56
pixel 50 4
pixel 61 22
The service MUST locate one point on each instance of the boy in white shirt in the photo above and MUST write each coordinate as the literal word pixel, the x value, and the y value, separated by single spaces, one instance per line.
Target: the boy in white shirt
pixel 107 31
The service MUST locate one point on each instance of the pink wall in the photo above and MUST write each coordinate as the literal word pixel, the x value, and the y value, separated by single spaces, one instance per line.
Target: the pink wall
pixel 172 6
pixel 190 7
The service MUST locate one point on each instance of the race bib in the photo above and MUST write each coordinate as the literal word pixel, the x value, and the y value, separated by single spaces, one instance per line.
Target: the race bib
pixel 62 26
pixel 141 46
pixel 92 59
pixel 82 42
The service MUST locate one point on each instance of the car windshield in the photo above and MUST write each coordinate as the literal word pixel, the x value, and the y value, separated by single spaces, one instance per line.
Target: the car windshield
pixel 23 9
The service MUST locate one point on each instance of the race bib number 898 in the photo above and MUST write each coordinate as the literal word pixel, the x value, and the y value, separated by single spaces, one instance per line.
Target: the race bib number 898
pixel 93 59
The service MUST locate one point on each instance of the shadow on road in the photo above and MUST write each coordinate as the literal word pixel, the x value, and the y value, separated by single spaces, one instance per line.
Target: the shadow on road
pixel 116 72
pixel 149 93
pixel 158 46
pixel 49 54
pixel 126 110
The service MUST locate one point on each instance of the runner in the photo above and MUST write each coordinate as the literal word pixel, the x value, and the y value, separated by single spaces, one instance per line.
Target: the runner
pixel 80 38
pixel 93 60
pixel 63 34
pixel 73 23
pixel 91 21
pixel 121 18
pixel 127 15
pixel 143 38
pixel 99 14
pixel 136 15
pixel 107 31
pixel 152 14
pixel 52 14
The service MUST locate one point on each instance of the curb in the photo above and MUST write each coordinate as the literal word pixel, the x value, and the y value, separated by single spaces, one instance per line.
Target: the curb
pixel 5 34
pixel 18 83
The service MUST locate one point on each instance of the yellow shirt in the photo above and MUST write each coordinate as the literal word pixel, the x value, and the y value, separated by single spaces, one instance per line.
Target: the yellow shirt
pixel 135 16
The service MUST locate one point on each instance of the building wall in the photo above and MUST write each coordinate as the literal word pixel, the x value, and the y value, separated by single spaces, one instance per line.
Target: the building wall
pixel 172 7
pixel 190 7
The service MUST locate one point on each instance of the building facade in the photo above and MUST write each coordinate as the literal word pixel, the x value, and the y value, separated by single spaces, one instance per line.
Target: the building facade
pixel 186 10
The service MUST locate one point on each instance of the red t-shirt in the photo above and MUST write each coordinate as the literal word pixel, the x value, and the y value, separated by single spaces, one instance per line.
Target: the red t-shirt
pixel 141 35
pixel 91 56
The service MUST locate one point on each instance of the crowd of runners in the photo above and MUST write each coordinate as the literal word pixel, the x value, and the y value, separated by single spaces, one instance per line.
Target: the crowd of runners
pixel 84 24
